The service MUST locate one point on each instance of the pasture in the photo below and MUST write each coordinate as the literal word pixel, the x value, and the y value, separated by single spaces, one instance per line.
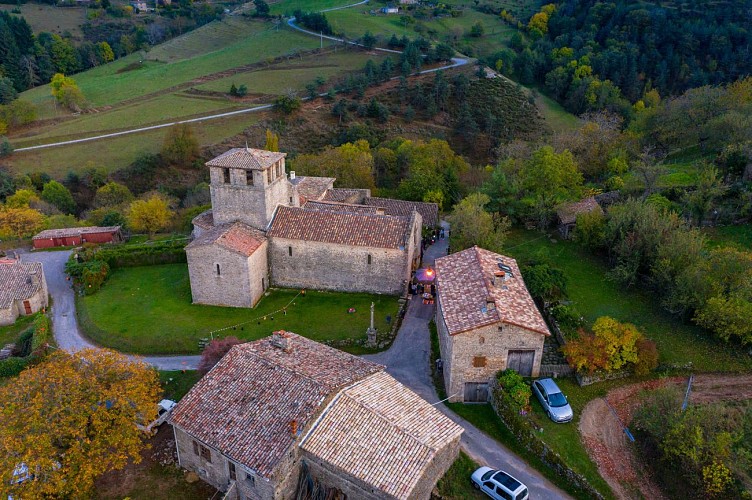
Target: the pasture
pixel 52 19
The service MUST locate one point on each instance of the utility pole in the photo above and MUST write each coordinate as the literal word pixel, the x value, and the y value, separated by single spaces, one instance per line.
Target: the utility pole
pixel 321 35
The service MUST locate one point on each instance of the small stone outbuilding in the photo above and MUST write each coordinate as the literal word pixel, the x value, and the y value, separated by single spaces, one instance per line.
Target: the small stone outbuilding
pixel 23 289
pixel 486 321
pixel 74 236
pixel 285 406
pixel 567 214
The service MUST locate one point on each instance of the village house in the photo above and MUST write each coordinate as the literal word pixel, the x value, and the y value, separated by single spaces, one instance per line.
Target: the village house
pixel 74 236
pixel 280 412
pixel 267 229
pixel 486 321
pixel 567 214
pixel 23 289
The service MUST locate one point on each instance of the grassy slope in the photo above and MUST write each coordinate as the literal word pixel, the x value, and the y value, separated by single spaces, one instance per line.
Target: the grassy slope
pixel 148 310
pixel 595 295
pixel 456 484
pixel 52 19
pixel 734 236
pixel 9 334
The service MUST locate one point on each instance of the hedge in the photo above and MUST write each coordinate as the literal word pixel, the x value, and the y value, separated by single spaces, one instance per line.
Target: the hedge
pixel 11 367
pixel 171 252
pixel 42 333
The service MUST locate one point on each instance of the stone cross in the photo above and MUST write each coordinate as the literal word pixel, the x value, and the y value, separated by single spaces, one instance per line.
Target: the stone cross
pixel 373 306
pixel 371 332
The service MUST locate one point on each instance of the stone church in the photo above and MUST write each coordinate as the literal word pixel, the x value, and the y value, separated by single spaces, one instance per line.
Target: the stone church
pixel 267 228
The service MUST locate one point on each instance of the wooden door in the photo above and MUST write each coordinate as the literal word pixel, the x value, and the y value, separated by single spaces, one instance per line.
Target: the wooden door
pixel 27 307
pixel 476 392
pixel 521 362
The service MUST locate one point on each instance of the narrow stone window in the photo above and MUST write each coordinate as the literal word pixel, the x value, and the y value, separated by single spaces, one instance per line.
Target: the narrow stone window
pixel 195 448
pixel 250 480
pixel 369 259
pixel 233 473
pixel 289 251
pixel 249 177
pixel 479 361
pixel 290 200
pixel 226 175
pixel 219 273
pixel 269 173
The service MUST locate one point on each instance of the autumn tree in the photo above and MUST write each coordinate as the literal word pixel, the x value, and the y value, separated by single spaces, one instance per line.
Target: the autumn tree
pixel 150 215
pixel 473 225
pixel 21 222
pixel 214 351
pixel 272 141
pixel 66 91
pixel 21 198
pixel 112 194
pixel 612 346
pixel 350 163
pixel 58 195
pixel 180 146
pixel 72 418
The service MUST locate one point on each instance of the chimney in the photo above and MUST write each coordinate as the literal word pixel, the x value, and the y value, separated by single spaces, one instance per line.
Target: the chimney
pixel 292 175
pixel 294 428
pixel 281 340
pixel 490 304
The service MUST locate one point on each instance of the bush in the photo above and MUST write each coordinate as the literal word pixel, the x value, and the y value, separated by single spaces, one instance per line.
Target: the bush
pixel 569 320
pixel 89 275
pixel 11 367
pixel 42 335
pixel 514 390
pixel 647 357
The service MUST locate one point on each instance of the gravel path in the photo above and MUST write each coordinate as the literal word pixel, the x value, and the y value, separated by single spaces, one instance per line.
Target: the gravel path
pixel 63 313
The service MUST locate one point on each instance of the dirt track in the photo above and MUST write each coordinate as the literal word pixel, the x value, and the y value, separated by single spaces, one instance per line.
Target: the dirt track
pixel 608 445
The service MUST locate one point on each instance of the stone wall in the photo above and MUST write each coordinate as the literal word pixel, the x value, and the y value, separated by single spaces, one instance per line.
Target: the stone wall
pixel 328 475
pixel 8 315
pixel 327 266
pixel 241 280
pixel 436 470
pixel 37 301
pixel 215 472
pixel 487 347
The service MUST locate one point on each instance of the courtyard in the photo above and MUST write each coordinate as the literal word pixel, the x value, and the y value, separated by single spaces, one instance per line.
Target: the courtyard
pixel 148 310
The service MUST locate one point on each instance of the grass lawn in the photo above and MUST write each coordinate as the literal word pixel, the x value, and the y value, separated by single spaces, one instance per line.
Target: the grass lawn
pixel 176 384
pixel 594 295
pixel 9 334
pixel 456 484
pixel 730 236
pixel 287 7
pixel 148 310
pixel 52 19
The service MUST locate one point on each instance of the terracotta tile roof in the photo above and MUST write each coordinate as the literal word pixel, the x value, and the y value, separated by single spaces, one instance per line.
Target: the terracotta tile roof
pixel 464 283
pixel 366 230
pixel 246 404
pixel 312 188
pixel 347 195
pixel 236 236
pixel 330 206
pixel 568 212
pixel 18 280
pixel 429 211
pixel 382 433
pixel 74 231
pixel 204 220
pixel 248 159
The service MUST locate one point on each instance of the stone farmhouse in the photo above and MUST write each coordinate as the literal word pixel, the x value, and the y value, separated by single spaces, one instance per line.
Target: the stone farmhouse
pixel 486 320
pixel 268 229
pixel 23 289
pixel 284 411
pixel 567 214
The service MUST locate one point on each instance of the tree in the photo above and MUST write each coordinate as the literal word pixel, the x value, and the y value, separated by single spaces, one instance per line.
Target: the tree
pixel 262 8
pixel 287 103
pixel 612 346
pixel 351 164
pixel 708 188
pixel 150 215
pixel 112 194
pixel 7 90
pixel 21 222
pixel 215 351
pixel 430 166
pixel 104 52
pixel 368 41
pixel 58 195
pixel 180 146
pixel 67 93
pixel 6 148
pixel 473 225
pixel 272 141
pixel 22 198
pixel 72 418
pixel 477 30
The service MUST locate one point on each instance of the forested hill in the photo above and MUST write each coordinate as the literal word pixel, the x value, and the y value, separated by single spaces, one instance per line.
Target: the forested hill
pixel 671 46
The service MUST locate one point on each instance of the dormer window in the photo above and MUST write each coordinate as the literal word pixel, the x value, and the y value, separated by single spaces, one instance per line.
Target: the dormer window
pixel 249 177
pixel 226 175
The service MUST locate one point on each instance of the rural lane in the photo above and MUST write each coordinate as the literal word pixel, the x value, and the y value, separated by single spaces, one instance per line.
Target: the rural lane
pixel 63 313
pixel 408 360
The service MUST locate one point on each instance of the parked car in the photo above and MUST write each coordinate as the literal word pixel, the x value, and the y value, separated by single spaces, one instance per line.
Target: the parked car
pixel 553 400
pixel 498 484
pixel 164 408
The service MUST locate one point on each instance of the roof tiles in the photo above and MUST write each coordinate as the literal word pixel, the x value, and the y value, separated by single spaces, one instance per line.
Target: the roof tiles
pixel 246 158
pixel 237 237
pixel 313 188
pixel 429 211
pixel 568 212
pixel 75 231
pixel 18 280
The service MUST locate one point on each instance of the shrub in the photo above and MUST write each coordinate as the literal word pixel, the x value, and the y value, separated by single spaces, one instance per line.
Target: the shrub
pixel 42 335
pixel 90 275
pixel 514 390
pixel 612 346
pixel 647 357
pixel 568 318
pixel 11 367
pixel 215 351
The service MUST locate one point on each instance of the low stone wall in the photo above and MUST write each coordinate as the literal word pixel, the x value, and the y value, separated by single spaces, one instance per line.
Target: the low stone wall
pixel 556 371
pixel 585 379
pixel 526 434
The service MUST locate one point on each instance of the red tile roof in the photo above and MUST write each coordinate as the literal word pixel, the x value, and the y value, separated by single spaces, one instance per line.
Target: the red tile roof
pixel 246 404
pixel 313 188
pixel 568 212
pixel 366 230
pixel 246 158
pixel 330 206
pixel 75 231
pixel 237 237
pixel 347 195
pixel 429 211
pixel 382 433
pixel 466 281
pixel 204 220
pixel 18 280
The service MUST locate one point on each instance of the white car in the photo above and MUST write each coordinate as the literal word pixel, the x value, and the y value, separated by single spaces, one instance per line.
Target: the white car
pixel 164 409
pixel 498 484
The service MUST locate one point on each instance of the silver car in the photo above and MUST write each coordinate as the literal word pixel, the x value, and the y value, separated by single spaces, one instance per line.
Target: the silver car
pixel 498 484
pixel 553 400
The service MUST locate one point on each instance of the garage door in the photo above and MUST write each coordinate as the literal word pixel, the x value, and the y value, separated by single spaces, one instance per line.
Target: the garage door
pixel 521 362
pixel 476 392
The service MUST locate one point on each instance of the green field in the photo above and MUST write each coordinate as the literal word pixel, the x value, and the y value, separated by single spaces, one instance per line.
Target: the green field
pixel 456 484
pixel 739 236
pixel 148 310
pixel 52 19
pixel 287 7
pixel 594 295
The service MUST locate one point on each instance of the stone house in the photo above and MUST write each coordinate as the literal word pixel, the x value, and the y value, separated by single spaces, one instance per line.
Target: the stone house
pixel 297 231
pixel 486 321
pixel 284 411
pixel 567 214
pixel 23 289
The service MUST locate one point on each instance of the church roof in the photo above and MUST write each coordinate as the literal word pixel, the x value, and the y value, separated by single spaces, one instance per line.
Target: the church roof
pixel 254 402
pixel 404 208
pixel 345 195
pixel 331 206
pixel 366 230
pixel 479 288
pixel 18 280
pixel 236 237
pixel 204 220
pixel 312 188
pixel 246 158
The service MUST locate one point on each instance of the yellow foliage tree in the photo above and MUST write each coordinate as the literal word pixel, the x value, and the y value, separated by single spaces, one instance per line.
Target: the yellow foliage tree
pixel 20 222
pixel 621 341
pixel 150 215
pixel 72 418
pixel 272 141
pixel 22 198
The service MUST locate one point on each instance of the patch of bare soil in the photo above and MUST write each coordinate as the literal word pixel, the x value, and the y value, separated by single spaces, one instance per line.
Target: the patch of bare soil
pixel 615 455
pixel 156 476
